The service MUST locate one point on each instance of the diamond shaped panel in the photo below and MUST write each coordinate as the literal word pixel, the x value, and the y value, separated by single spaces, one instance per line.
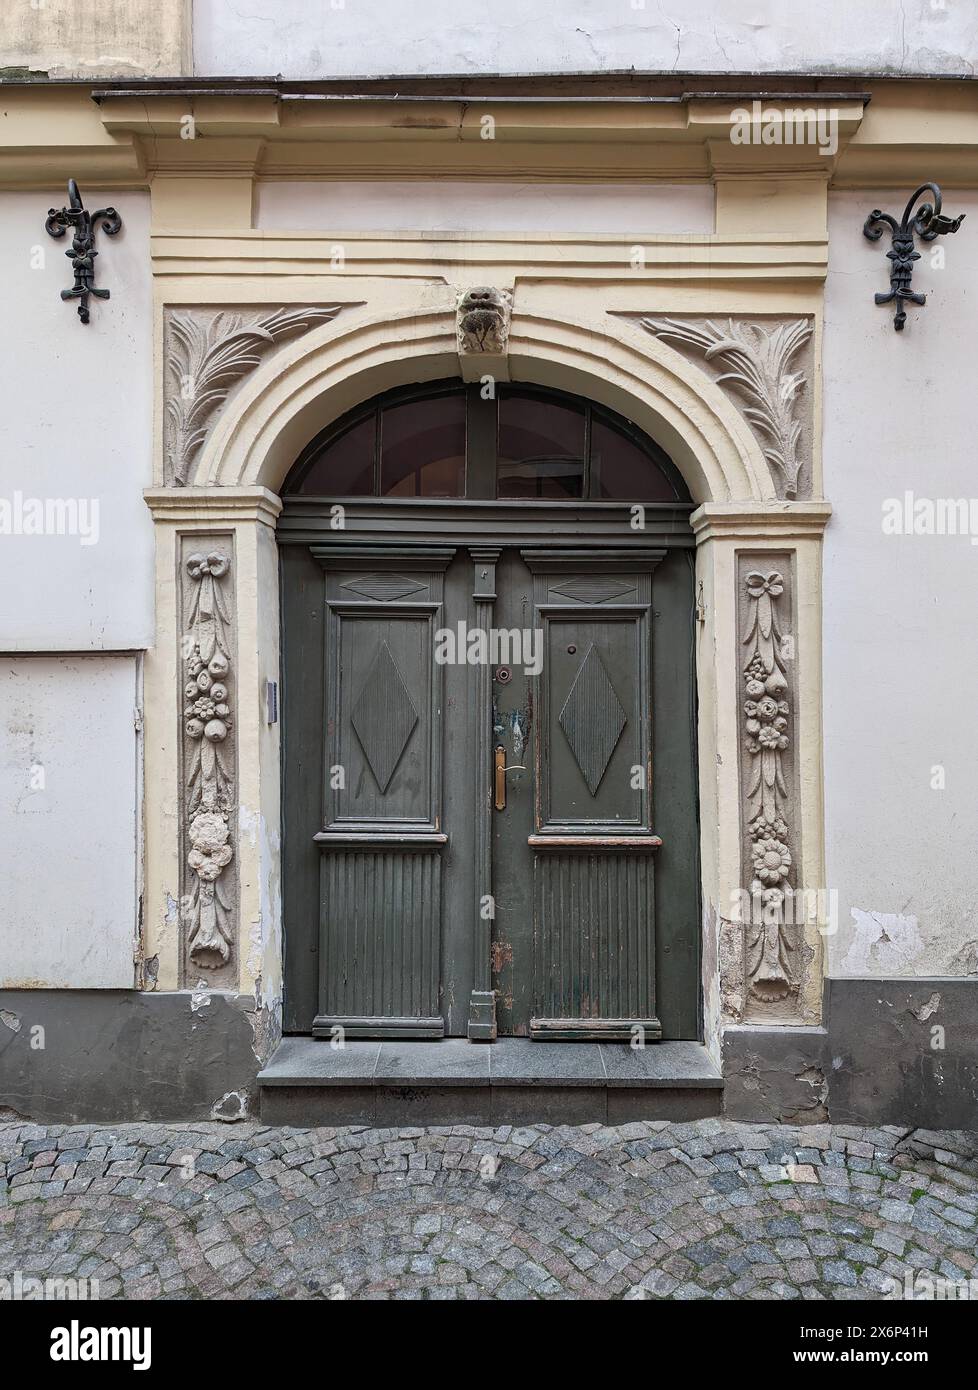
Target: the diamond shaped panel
pixel 384 717
pixel 385 587
pixel 597 590
pixel 592 719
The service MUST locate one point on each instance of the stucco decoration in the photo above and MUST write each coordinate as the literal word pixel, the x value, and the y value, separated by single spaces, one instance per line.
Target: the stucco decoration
pixel 209 896
pixel 755 361
pixel 207 352
pixel 484 315
pixel 773 940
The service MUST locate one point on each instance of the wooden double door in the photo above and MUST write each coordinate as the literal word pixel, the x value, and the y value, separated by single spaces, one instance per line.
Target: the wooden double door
pixel 488 783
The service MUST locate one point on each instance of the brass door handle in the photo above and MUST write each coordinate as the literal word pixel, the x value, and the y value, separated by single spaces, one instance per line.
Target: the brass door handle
pixel 499 762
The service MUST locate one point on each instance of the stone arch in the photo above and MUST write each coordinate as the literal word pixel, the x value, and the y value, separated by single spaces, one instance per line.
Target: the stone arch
pixel 310 382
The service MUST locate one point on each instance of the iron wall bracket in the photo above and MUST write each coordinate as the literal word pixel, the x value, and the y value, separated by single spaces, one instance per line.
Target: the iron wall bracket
pixel 928 223
pixel 82 254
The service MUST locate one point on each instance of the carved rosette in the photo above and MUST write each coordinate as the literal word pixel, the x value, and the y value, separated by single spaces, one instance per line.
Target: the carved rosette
pixel 772 943
pixel 207 353
pixel 209 902
pixel 756 359
pixel 482 318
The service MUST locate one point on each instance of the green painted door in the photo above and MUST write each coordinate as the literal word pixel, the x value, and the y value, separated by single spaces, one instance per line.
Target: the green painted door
pixel 489 768
pixel 576 839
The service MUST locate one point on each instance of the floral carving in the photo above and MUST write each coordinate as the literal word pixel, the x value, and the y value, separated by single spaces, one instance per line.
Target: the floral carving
pixel 758 360
pixel 770 947
pixel 208 760
pixel 205 357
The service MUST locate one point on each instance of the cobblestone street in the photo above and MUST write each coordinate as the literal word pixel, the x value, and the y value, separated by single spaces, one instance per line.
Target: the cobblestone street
pixel 702 1210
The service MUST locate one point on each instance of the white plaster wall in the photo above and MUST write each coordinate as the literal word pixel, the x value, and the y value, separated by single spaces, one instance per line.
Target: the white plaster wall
pixel 76 425
pixel 68 840
pixel 374 38
pixel 468 206
pixel 901 641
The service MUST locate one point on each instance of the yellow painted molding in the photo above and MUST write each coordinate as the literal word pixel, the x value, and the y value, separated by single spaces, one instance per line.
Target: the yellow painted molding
pixel 769 256
pixel 769 521
pixel 212 506
pixel 906 132
pixel 220 197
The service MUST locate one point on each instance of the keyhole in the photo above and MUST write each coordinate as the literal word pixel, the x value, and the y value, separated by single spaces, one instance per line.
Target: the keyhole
pixel 572 649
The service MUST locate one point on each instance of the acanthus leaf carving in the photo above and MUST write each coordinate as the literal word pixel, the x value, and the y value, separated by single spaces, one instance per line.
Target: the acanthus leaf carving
pixel 771 964
pixel 208 354
pixel 209 790
pixel 759 361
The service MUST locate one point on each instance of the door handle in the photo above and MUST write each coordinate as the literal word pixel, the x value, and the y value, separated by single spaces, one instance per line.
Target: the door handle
pixel 499 761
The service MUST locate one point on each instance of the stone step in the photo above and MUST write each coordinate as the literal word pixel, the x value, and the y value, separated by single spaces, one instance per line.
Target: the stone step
pixel 309 1082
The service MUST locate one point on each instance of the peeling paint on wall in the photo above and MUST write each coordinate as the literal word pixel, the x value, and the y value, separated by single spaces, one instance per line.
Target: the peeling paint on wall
pixel 925 1011
pixel 200 998
pixel 266 1027
pixel 884 944
pixel 232 1106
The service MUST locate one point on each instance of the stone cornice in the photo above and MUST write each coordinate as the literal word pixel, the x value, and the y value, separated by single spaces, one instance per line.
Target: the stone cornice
pixel 894 132
pixel 759 521
pixel 774 521
pixel 212 506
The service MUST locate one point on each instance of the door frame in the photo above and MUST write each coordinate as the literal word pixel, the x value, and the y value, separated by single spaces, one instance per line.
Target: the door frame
pixel 585 336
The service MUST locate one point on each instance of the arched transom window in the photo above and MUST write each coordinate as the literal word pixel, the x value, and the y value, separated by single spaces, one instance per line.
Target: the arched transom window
pixel 446 441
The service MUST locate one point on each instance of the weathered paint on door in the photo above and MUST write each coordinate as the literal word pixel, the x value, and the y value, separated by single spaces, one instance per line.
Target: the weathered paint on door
pixel 527 828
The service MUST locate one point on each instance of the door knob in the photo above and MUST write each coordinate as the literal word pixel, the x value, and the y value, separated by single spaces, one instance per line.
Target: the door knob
pixel 499 760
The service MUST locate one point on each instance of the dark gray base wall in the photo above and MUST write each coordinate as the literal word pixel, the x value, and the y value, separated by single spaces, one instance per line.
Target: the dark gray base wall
pixel 114 1055
pixel 118 1055
pixel 892 1052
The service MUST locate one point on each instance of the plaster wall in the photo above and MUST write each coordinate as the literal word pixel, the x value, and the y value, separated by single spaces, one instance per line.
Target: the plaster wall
pixel 469 206
pixel 371 38
pixel 900 652
pixel 62 38
pixel 76 434
pixel 69 783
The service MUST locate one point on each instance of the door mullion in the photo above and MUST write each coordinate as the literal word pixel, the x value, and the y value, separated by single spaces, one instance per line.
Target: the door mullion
pixel 482 1002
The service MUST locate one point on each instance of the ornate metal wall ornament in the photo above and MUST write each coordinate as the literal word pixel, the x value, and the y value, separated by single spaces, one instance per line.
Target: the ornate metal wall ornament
pixel 483 319
pixel 770 943
pixel 206 354
pixel 208 761
pixel 928 223
pixel 759 361
pixel 82 254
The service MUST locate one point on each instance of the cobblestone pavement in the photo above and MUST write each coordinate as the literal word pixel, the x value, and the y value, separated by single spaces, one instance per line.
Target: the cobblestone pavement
pixel 710 1209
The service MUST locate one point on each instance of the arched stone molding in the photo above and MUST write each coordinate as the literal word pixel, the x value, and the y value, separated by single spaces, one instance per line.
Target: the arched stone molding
pixel 306 384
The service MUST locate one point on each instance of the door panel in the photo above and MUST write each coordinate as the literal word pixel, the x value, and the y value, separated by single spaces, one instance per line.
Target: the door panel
pixel 380 709
pixel 577 913
pixel 381 838
pixel 381 949
pixel 593 942
pixel 595 724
